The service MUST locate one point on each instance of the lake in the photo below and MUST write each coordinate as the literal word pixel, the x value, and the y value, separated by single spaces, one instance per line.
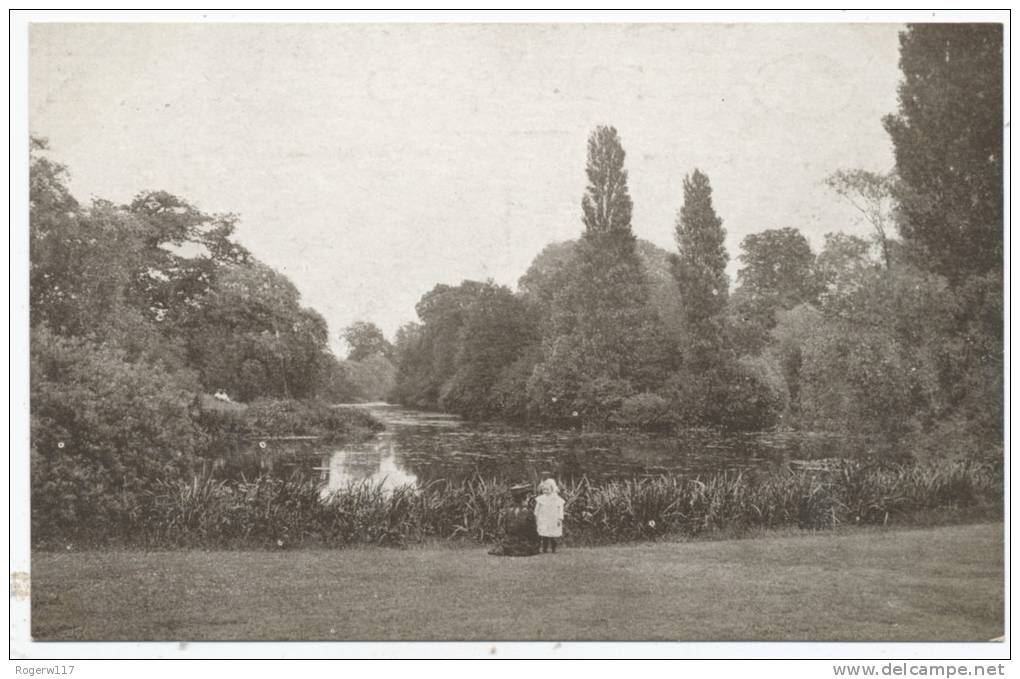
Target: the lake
pixel 418 446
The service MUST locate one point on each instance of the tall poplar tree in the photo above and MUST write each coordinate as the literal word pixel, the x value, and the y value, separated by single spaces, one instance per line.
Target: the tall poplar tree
pixel 948 142
pixel 606 204
pixel 607 342
pixel 700 265
pixel 947 138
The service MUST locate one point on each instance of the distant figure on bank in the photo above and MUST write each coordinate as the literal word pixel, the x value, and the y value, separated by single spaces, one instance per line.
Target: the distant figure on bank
pixel 519 536
pixel 221 395
pixel 549 515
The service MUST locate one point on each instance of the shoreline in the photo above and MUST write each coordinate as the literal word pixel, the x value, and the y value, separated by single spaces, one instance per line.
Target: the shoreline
pixel 439 544
pixel 275 513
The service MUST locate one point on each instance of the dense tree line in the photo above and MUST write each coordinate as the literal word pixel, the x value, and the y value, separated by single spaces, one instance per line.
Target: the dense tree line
pixel 137 310
pixel 892 336
pixel 166 284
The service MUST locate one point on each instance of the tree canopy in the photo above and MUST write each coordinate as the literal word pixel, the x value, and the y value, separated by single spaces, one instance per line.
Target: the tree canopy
pixel 365 339
pixel 947 140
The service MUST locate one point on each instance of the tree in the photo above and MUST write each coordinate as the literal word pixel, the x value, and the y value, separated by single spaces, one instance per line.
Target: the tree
pixel 860 380
pixel 872 195
pixel 497 330
pixel 548 272
pixel 947 140
pixel 80 263
pixel 372 378
pixel 132 276
pixel 606 282
pixel 777 273
pixel 369 368
pixel 546 275
pixel 793 329
pixel 604 339
pixel 183 251
pixel 700 266
pixel 413 368
pixel 606 205
pixel 427 352
pixel 742 395
pixel 365 339
pixel 253 338
pixel 338 383
pixel 843 266
pixel 135 309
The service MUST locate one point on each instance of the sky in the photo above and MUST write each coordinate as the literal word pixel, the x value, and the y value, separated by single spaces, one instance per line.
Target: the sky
pixel 370 162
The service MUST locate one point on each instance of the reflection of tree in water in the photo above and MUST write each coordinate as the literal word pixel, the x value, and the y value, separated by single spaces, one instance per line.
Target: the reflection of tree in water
pixel 378 466
pixel 422 447
pixel 461 449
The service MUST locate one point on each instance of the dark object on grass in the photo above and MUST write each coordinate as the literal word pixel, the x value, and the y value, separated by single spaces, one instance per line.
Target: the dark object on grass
pixel 520 537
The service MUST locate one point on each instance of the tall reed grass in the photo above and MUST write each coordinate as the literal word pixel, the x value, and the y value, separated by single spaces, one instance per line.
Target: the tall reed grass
pixel 275 513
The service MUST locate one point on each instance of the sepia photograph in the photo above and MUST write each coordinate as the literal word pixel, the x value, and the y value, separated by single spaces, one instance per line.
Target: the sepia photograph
pixel 500 331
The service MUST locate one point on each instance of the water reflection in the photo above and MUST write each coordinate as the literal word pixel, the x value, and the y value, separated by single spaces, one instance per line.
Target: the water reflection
pixel 418 447
pixel 378 466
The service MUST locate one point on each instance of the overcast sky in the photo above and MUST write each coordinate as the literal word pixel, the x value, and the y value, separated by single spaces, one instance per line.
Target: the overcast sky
pixel 370 162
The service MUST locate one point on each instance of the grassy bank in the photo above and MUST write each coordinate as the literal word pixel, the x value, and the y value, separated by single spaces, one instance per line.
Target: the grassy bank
pixel 273 417
pixel 876 584
pixel 273 513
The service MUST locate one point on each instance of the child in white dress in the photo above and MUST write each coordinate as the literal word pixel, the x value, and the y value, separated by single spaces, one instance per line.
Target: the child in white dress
pixel 549 515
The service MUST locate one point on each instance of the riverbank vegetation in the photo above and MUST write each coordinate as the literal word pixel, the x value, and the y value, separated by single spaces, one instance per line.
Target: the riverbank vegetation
pixel 267 418
pixel 898 336
pixel 276 513
pixel 138 313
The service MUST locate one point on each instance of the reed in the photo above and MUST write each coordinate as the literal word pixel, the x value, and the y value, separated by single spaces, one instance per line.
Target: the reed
pixel 278 513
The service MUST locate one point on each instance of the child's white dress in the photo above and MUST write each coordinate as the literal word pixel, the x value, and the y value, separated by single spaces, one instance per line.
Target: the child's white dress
pixel 549 515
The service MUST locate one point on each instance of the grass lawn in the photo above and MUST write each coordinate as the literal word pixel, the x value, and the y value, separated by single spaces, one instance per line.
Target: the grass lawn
pixel 927 584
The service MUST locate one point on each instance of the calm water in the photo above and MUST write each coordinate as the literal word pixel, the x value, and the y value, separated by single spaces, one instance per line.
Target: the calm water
pixel 420 446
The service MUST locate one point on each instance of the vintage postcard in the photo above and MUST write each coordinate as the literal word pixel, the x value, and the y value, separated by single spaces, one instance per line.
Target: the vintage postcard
pixel 492 331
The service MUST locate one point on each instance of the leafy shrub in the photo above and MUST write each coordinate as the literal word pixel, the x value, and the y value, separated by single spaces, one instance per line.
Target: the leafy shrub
pixel 268 417
pixel 509 395
pixel 746 396
pixel 102 431
pixel 646 410
pixel 863 380
pixel 765 394
pixel 957 438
